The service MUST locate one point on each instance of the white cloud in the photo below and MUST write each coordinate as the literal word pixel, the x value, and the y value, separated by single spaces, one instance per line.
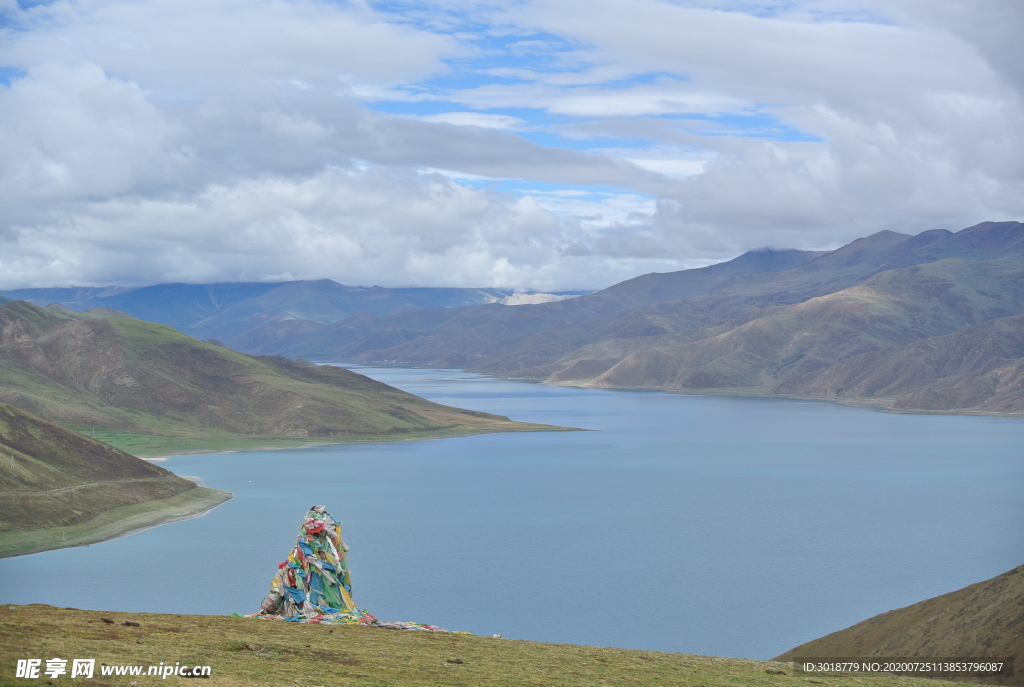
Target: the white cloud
pixel 665 97
pixel 372 226
pixel 74 132
pixel 484 121
pixel 918 127
pixel 187 48
pixel 211 140
pixel 593 211
pixel 770 60
pixel 672 161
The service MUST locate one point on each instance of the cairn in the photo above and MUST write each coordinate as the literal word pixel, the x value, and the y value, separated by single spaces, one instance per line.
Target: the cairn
pixel 314 585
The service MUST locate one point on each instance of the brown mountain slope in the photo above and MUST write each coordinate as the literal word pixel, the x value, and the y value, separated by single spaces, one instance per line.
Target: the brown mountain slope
pixel 495 340
pixel 124 374
pixel 985 241
pixel 891 309
pixel 536 336
pixel 505 343
pixel 910 338
pixel 980 368
pixel 984 620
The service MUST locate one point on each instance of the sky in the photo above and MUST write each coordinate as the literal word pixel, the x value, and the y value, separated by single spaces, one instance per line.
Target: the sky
pixel 546 145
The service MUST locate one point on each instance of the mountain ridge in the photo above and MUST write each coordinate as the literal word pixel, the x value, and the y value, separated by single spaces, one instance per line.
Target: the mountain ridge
pixel 120 373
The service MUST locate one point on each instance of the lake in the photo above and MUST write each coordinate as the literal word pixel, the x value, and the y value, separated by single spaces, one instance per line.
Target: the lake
pixel 702 524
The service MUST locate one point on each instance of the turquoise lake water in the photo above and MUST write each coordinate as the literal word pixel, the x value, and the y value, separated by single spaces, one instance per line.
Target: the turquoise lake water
pixel 711 525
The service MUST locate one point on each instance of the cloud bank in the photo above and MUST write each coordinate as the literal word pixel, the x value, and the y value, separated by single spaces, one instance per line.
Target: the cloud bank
pixel 465 143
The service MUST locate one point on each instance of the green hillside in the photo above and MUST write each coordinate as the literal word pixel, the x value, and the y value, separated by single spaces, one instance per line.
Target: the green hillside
pixel 170 392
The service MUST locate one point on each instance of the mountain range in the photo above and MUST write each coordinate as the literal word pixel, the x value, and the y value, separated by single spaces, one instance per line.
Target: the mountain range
pixel 927 322
pixel 226 311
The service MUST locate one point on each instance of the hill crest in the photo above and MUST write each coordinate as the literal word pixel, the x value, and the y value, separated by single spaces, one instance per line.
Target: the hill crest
pixel 984 620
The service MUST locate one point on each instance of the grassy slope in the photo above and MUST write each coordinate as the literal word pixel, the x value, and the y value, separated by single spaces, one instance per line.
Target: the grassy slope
pixel 150 389
pixel 246 652
pixel 51 476
pixel 138 378
pixel 59 488
pixel 983 620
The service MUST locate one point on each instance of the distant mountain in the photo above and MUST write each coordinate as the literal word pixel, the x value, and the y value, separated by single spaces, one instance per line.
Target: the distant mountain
pixel 225 311
pixel 818 324
pixel 783 322
pixel 96 370
pixel 473 335
pixel 427 298
pixel 176 305
pixel 983 620
pixel 52 477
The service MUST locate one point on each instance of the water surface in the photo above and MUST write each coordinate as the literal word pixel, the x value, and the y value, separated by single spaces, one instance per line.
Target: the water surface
pixel 713 525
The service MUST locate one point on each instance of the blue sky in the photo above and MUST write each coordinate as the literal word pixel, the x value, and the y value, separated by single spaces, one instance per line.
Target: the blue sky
pixel 523 144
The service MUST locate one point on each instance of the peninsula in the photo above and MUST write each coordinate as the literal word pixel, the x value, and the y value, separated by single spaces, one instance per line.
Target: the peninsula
pixel 151 390
pixel 59 488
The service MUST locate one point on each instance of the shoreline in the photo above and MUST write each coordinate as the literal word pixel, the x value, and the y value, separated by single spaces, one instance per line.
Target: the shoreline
pixel 115 523
pixel 126 520
pixel 268 443
pixel 883 405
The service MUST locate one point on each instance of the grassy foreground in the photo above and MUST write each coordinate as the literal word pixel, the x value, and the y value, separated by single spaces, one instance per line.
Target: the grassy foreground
pixel 252 652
